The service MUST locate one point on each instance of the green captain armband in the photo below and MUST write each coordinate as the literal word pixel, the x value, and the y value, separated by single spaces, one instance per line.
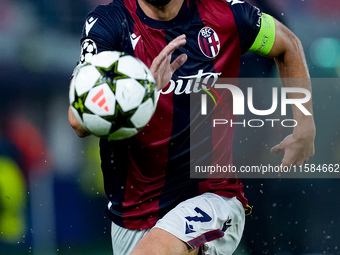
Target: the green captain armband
pixel 266 37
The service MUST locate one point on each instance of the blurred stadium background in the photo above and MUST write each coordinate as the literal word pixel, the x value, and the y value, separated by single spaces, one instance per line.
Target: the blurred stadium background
pixel 51 196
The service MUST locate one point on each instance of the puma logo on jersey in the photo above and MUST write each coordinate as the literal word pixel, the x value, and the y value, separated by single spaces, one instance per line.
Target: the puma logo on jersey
pixel 134 40
pixel 89 24
pixel 235 2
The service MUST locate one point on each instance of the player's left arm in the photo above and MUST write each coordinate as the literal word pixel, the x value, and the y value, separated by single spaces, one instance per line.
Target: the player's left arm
pixel 290 59
pixel 77 127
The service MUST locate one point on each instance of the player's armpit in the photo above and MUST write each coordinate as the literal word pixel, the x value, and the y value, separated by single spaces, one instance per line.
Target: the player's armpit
pixel 77 127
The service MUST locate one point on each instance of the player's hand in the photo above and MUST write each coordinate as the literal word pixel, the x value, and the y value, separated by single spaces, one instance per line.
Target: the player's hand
pixel 162 68
pixel 297 148
pixel 77 127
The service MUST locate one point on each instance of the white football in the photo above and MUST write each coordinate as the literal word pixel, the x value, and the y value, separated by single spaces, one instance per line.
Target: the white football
pixel 113 95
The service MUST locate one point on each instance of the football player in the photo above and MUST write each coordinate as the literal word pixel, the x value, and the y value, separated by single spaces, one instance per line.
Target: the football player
pixel 154 205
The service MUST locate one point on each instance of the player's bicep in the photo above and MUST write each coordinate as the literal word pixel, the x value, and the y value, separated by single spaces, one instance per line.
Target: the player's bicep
pixel 274 38
pixel 284 40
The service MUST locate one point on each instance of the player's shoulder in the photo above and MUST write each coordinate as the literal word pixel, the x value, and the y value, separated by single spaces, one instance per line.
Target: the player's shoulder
pixel 220 3
pixel 208 4
pixel 239 8
pixel 108 19
pixel 235 5
pixel 109 10
pixel 242 10
pixel 105 26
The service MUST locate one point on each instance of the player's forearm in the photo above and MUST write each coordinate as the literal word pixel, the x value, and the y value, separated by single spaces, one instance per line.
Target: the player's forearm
pixel 294 73
pixel 292 67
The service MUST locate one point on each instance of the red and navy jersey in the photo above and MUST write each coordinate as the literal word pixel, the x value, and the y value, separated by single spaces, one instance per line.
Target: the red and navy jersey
pixel 147 175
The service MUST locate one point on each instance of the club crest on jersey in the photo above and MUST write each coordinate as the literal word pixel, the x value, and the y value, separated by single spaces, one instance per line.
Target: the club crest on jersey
pixel 209 42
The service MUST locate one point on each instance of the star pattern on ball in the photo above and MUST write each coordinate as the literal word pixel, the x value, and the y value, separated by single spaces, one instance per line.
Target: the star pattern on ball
pixel 112 74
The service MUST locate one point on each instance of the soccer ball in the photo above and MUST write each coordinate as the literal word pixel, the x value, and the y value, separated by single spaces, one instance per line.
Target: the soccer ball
pixel 113 95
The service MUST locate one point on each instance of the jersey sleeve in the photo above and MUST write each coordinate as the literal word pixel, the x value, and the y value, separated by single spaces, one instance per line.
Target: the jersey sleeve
pixel 248 22
pixel 101 32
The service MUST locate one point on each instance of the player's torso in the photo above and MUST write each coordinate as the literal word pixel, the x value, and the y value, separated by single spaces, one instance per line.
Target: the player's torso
pixel 212 38
pixel 212 47
pixel 213 50
pixel 155 172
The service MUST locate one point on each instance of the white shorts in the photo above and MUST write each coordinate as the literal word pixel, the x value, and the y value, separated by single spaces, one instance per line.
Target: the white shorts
pixel 212 222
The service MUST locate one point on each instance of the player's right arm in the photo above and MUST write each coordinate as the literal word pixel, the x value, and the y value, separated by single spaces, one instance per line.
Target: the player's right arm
pixel 97 33
pixel 161 68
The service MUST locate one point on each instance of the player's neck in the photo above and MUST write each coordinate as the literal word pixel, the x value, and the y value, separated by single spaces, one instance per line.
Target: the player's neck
pixel 164 13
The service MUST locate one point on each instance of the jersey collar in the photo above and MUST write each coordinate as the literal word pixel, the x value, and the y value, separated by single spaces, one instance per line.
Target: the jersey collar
pixel 159 24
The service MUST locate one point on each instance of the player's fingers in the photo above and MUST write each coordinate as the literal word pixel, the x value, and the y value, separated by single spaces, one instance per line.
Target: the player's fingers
pixel 287 161
pixel 159 64
pixel 300 163
pixel 292 158
pixel 165 54
pixel 277 149
pixel 178 62
pixel 303 160
pixel 174 44
pixel 177 42
pixel 158 61
pixel 312 152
